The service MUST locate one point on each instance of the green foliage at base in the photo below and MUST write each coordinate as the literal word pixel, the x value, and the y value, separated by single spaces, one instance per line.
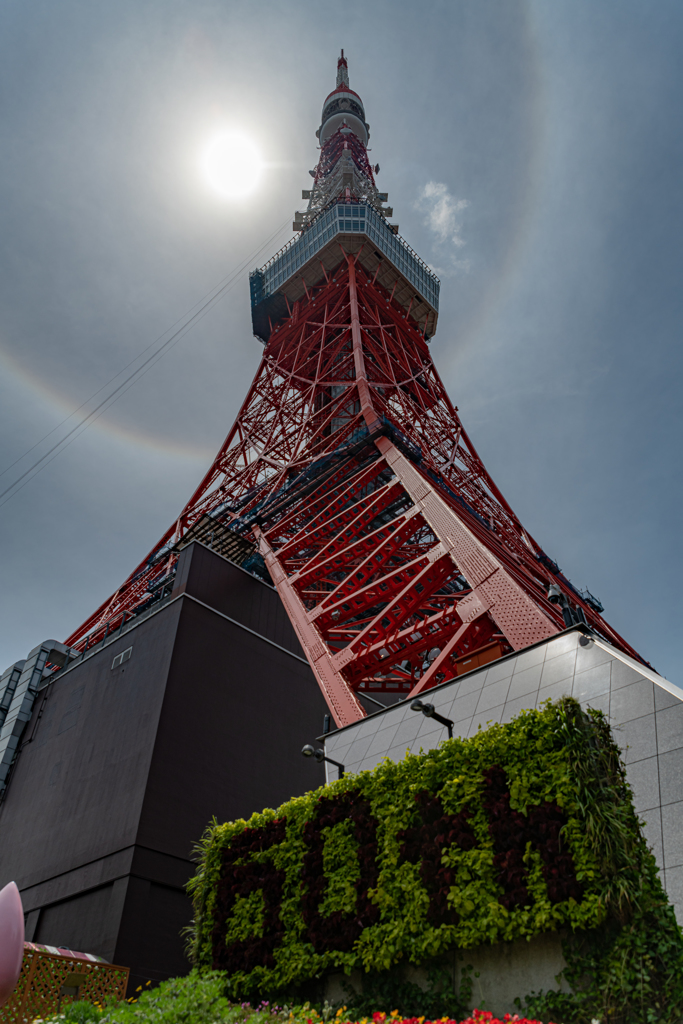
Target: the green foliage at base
pixel 624 951
pixel 194 999
pixel 80 1012
pixel 437 997
pixel 630 970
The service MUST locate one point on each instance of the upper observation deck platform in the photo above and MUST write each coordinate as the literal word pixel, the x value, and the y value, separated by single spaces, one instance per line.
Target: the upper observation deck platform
pixel 358 228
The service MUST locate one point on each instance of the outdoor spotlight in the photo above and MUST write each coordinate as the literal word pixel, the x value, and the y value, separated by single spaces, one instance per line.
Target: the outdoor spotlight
pixel 555 596
pixel 319 755
pixel 429 711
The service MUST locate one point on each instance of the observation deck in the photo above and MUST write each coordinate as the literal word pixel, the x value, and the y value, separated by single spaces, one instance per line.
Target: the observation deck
pixel 360 230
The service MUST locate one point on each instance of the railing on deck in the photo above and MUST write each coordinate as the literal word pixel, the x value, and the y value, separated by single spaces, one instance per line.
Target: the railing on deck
pixel 343 218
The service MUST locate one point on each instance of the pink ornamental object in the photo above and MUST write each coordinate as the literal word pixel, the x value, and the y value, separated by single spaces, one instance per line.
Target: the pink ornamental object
pixel 11 940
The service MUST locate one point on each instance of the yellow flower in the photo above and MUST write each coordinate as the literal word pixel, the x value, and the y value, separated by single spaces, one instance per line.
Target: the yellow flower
pixel 139 988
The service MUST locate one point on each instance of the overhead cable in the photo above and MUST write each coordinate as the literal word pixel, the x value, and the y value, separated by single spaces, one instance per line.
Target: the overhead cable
pixel 205 305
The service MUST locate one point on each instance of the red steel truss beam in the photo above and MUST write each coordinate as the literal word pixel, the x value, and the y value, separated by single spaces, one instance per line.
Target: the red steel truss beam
pixel 393 550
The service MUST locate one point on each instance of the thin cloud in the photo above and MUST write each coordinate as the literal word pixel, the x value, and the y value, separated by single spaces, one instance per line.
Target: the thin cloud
pixel 443 215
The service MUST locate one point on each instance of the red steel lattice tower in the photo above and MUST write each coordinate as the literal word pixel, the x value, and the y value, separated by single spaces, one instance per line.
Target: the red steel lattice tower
pixel 348 479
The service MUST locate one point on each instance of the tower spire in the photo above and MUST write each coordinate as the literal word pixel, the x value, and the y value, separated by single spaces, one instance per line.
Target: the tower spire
pixel 342 71
pixel 343 168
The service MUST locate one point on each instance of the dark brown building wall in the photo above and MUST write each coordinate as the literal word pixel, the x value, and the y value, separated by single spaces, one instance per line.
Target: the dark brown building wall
pixel 122 769
pixel 236 594
pixel 236 714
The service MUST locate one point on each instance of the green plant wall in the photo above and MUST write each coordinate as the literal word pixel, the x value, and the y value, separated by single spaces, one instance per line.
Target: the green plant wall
pixel 524 828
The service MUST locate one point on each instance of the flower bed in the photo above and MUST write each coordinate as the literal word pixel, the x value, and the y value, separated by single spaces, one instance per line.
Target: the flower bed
pixel 477 1017
pixel 198 1000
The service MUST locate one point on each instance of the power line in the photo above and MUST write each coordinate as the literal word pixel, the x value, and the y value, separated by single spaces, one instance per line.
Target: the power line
pixel 96 393
pixel 207 303
pixel 146 349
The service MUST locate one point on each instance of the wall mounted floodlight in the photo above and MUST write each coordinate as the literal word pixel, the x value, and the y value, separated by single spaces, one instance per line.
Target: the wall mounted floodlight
pixel 319 755
pixel 571 616
pixel 429 711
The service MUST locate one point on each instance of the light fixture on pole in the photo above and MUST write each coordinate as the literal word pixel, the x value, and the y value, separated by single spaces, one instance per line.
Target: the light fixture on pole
pixel 319 755
pixel 429 711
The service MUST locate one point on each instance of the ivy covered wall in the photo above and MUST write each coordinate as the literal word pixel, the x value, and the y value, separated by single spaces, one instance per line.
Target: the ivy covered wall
pixel 524 828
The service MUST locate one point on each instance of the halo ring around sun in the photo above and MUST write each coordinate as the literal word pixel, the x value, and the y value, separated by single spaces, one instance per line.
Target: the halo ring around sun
pixel 232 165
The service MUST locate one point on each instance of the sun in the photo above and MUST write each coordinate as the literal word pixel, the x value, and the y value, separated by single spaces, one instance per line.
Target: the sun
pixel 232 165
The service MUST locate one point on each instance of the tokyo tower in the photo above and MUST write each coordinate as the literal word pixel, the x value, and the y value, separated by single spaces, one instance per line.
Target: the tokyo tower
pixel 348 478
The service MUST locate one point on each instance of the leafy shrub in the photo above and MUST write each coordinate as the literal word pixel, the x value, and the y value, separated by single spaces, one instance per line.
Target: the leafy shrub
pixel 525 828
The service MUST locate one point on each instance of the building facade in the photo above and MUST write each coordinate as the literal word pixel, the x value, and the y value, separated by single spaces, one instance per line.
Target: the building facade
pixel 198 709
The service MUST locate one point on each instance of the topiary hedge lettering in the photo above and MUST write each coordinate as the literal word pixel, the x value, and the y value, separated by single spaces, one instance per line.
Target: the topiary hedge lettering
pixel 525 828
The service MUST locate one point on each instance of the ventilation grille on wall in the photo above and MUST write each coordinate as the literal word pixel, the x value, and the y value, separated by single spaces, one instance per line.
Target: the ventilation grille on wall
pixel 120 658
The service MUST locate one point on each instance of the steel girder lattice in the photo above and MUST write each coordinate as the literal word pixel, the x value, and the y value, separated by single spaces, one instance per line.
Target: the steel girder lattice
pixel 350 475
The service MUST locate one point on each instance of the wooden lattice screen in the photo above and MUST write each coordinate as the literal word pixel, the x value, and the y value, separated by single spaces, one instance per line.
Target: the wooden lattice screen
pixel 43 975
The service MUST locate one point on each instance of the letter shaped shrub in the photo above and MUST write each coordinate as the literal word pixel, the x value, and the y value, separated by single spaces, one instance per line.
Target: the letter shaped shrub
pixel 524 828
pixel 339 930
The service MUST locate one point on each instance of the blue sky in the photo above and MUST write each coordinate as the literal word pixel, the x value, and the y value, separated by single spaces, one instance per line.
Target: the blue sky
pixel 531 152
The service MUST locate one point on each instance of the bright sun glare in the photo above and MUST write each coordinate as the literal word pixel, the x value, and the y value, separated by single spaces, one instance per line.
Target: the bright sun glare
pixel 232 165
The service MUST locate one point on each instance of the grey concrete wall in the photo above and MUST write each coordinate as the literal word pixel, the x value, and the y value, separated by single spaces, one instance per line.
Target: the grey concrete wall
pixel 506 971
pixel 644 710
